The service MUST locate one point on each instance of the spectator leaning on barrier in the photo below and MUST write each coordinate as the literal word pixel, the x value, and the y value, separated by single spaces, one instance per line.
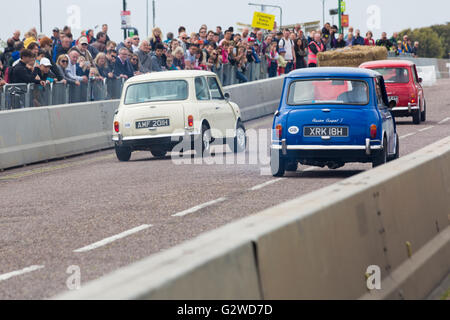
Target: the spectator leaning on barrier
pixel 178 58
pixel 22 72
pixel 71 70
pixel 369 41
pixel 350 39
pixel 144 56
pixel 137 68
pixel 415 49
pixel 273 60
pixel 189 58
pixel 406 48
pixel 157 58
pixel 300 53
pixel 340 43
pixel 394 39
pixel 358 40
pixel 101 64
pixel 123 68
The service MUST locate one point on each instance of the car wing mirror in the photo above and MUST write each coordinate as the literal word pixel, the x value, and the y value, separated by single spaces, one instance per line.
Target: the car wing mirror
pixel 227 96
pixel 420 80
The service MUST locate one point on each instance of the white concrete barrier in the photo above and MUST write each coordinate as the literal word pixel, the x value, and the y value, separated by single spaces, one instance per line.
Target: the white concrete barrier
pixel 320 246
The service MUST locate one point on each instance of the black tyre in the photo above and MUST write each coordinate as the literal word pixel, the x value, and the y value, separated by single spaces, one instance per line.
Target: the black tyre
pixel 203 148
pixel 158 153
pixel 277 163
pixel 240 141
pixel 382 157
pixel 123 153
pixel 416 117
pixel 423 114
pixel 291 166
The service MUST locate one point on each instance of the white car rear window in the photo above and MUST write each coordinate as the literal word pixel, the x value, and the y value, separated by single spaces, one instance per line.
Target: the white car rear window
pixel 172 90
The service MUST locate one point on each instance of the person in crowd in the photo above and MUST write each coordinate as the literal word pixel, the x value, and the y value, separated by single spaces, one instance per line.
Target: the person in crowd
pixel 214 63
pixel 102 66
pixel 170 37
pixel 157 58
pixel 406 48
pixel 282 63
pixel 350 30
pixel 399 48
pixel 202 34
pixel 189 58
pixel 22 72
pixel 83 67
pixel 66 45
pixel 394 39
pixel 332 41
pixel 155 39
pixel 127 44
pixel 62 64
pixel 46 47
pixel 415 49
pixel 34 48
pixel 16 37
pixel 227 37
pixel 219 33
pixel 210 37
pixel 56 37
pixel 369 41
pixel 300 53
pixel 123 68
pixel 105 31
pixel 273 60
pixel 144 56
pixel 111 45
pixel 200 63
pixel 170 65
pixel 384 42
pixel 178 58
pixel 7 53
pixel 326 30
pixel 135 40
pixel 184 41
pixel 315 47
pixel 30 37
pixel 82 49
pixel 241 64
pixel 71 70
pixel 137 68
pixel 90 36
pixel 358 40
pixel 288 45
pixel 100 44
pixel 349 41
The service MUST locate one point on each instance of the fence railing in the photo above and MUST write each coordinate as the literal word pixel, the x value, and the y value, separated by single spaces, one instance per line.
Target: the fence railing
pixel 18 96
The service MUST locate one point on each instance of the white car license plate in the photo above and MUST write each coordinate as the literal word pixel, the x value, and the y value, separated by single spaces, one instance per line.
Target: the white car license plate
pixel 158 123
pixel 325 131
pixel 393 98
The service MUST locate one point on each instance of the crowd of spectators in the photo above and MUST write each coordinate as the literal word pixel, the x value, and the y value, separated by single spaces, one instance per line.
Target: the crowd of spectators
pixel 62 57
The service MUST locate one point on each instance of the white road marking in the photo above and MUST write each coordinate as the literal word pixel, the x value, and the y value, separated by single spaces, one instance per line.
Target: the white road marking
pixel 112 239
pixel 263 185
pixel 444 121
pixel 425 129
pixel 408 135
pixel 9 275
pixel 198 208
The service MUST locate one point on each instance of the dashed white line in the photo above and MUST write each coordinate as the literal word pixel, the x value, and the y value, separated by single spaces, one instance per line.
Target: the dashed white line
pixel 9 275
pixel 425 129
pixel 263 185
pixel 198 208
pixel 408 135
pixel 444 121
pixel 112 239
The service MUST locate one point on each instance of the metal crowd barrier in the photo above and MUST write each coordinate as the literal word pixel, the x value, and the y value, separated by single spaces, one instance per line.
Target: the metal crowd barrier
pixel 17 96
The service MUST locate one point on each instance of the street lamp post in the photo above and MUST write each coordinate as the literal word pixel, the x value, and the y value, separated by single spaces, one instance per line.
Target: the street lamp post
pixel 272 6
pixel 40 15
pixel 340 15
pixel 154 14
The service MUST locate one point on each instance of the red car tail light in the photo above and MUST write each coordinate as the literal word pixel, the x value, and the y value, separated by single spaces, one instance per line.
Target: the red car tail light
pixel 373 131
pixel 279 131
pixel 190 121
pixel 116 126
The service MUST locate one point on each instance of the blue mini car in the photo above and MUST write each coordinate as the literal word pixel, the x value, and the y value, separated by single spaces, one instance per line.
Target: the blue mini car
pixel 332 116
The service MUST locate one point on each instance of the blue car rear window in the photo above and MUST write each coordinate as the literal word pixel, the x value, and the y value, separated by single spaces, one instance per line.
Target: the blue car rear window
pixel 328 91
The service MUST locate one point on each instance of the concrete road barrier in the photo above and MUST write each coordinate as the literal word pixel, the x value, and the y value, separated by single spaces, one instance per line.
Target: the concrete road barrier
pixel 428 75
pixel 32 135
pixel 393 219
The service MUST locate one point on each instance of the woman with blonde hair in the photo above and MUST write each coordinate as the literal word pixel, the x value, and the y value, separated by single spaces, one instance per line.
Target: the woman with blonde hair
pixel 155 38
pixel 101 64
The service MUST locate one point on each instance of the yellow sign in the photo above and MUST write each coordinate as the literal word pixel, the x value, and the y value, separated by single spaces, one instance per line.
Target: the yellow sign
pixel 263 21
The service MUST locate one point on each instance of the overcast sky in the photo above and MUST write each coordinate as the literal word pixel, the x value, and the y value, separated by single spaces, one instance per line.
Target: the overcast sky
pixel 377 15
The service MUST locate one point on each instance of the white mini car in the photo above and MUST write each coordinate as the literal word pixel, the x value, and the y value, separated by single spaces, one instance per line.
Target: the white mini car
pixel 158 111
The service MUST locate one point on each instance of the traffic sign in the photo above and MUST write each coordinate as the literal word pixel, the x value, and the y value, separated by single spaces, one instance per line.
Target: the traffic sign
pixel 343 6
pixel 345 21
pixel 263 21
pixel 126 19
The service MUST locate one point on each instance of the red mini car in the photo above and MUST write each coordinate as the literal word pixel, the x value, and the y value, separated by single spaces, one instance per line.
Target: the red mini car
pixel 404 89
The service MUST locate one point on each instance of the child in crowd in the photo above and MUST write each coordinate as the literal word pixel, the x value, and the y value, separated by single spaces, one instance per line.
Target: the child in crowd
pixel 282 63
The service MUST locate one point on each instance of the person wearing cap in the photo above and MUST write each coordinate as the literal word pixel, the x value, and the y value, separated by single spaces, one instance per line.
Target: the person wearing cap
pixel 282 62
pixel 46 47
pixel 82 49
pixel 42 71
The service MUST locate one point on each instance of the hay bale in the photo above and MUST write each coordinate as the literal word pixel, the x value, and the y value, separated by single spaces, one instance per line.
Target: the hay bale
pixel 351 56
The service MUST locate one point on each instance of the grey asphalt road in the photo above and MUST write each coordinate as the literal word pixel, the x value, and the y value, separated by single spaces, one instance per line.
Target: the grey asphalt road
pixel 98 214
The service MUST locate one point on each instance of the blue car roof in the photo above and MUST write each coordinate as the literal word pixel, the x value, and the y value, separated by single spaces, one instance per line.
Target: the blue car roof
pixel 333 72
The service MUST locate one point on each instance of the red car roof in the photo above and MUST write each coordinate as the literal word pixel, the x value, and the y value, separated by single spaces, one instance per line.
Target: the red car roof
pixel 387 64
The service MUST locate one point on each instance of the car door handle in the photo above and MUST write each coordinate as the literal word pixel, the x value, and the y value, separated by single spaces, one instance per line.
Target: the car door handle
pixel 217 108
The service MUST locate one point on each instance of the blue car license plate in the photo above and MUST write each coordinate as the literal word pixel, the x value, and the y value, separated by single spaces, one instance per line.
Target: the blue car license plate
pixel 325 131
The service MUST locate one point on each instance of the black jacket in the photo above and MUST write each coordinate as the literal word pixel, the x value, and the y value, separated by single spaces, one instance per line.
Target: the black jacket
pixel 21 74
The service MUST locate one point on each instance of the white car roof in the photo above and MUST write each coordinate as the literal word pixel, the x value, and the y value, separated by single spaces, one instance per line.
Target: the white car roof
pixel 170 75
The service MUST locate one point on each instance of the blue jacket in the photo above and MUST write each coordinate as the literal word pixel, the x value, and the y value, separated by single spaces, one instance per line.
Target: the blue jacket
pixel 358 41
